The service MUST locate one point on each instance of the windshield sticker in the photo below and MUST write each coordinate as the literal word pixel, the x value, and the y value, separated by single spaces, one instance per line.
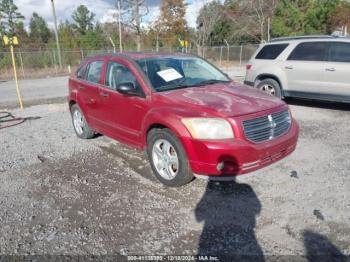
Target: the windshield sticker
pixel 169 74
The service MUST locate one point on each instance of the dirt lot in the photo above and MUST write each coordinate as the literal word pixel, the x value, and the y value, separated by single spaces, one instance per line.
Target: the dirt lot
pixel 63 196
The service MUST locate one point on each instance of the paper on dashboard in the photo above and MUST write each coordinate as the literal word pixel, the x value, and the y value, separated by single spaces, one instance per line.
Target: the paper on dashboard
pixel 169 74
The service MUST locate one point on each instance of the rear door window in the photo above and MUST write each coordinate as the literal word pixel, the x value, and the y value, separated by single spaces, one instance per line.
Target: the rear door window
pixel 310 51
pixel 94 72
pixel 271 52
pixel 339 52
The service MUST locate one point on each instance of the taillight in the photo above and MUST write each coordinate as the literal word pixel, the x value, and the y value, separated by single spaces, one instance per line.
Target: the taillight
pixel 248 67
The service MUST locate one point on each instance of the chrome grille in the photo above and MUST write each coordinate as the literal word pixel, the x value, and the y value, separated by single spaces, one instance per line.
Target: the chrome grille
pixel 267 127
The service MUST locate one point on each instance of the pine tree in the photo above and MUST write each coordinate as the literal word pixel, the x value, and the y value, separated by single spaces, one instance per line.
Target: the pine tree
pixel 38 29
pixel 10 17
pixel 83 19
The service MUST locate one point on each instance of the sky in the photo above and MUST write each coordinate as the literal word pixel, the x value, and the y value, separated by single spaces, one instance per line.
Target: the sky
pixel 104 9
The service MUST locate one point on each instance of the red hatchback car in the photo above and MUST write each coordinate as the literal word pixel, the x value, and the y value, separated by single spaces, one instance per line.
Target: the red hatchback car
pixel 192 119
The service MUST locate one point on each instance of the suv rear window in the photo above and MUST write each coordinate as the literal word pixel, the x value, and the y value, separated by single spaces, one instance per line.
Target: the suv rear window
pixel 310 51
pixel 271 52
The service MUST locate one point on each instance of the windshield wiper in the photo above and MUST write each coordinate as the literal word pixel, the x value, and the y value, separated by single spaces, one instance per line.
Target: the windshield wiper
pixel 211 82
pixel 171 87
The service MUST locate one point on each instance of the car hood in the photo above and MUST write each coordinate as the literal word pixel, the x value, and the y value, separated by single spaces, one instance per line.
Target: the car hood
pixel 228 99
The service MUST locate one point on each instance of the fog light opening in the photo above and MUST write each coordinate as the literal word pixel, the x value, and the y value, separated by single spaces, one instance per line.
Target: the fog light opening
pixel 220 166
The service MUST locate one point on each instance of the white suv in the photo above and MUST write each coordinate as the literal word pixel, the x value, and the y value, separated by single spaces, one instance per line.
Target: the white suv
pixel 314 67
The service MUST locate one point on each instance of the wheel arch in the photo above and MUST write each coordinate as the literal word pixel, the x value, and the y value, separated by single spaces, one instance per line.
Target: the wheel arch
pixel 264 76
pixel 162 119
pixel 71 103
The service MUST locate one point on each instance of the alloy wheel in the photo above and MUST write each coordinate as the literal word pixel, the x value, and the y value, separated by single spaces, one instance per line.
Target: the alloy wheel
pixel 268 89
pixel 78 122
pixel 165 159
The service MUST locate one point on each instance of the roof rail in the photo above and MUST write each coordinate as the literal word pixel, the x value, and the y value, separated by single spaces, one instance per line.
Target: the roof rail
pixel 301 37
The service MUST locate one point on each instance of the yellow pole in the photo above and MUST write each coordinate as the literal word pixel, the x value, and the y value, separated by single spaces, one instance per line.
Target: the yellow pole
pixel 16 80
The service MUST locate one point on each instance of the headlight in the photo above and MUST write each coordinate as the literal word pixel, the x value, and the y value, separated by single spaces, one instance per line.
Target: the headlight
pixel 208 128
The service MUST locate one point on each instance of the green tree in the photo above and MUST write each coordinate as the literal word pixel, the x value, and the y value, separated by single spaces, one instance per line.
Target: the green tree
pixel 93 39
pixel 83 19
pixel 22 34
pixel 302 17
pixel 10 17
pixel 66 34
pixel 38 29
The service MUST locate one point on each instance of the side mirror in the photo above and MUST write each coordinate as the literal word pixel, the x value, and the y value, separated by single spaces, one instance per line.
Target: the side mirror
pixel 128 89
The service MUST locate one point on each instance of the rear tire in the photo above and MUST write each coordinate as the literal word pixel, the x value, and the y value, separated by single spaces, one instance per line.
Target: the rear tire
pixel 271 87
pixel 80 125
pixel 168 158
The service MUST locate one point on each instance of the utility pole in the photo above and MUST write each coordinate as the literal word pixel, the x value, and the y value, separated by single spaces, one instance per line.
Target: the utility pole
pixel 268 29
pixel 120 26
pixel 56 34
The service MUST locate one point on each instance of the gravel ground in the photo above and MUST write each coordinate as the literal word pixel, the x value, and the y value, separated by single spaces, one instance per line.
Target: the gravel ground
pixel 64 196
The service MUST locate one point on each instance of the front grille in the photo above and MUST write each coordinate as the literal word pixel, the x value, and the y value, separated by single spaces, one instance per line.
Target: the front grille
pixel 267 127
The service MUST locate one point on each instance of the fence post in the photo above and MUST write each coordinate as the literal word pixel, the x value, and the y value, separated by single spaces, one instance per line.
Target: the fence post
pixel 82 53
pixel 228 57
pixel 228 54
pixel 54 61
pixel 240 55
pixel 220 55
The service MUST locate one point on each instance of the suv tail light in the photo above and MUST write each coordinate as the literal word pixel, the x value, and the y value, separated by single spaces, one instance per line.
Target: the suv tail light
pixel 248 67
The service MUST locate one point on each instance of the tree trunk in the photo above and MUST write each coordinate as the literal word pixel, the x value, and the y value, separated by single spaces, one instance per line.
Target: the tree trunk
pixel 138 42
pixel 262 38
pixel 136 15
pixel 199 50
pixel 157 42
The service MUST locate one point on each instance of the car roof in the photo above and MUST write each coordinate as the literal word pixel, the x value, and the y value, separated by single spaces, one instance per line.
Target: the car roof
pixel 312 38
pixel 140 55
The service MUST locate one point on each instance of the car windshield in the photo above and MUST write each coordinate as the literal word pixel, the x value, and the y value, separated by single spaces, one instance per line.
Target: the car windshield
pixel 169 73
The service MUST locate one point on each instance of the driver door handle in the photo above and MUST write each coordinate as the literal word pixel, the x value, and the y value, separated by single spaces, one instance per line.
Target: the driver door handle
pixel 289 67
pixel 330 69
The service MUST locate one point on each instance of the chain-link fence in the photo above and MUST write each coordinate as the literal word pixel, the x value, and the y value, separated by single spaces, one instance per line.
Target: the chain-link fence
pixel 45 63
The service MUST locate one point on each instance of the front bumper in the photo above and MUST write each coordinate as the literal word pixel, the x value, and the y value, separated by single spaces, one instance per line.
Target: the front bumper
pixel 238 156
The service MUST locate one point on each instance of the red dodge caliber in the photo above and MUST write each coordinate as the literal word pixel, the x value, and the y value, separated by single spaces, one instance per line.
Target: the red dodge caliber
pixel 191 118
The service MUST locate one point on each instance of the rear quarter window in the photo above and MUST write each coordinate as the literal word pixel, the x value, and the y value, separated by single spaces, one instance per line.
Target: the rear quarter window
pixel 271 52
pixel 339 52
pixel 80 73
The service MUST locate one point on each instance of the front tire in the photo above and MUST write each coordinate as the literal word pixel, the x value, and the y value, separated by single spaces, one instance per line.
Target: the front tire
pixel 271 87
pixel 168 158
pixel 80 125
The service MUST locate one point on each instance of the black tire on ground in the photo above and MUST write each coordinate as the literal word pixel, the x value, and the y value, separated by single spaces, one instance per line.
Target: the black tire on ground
pixel 87 131
pixel 273 84
pixel 184 174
